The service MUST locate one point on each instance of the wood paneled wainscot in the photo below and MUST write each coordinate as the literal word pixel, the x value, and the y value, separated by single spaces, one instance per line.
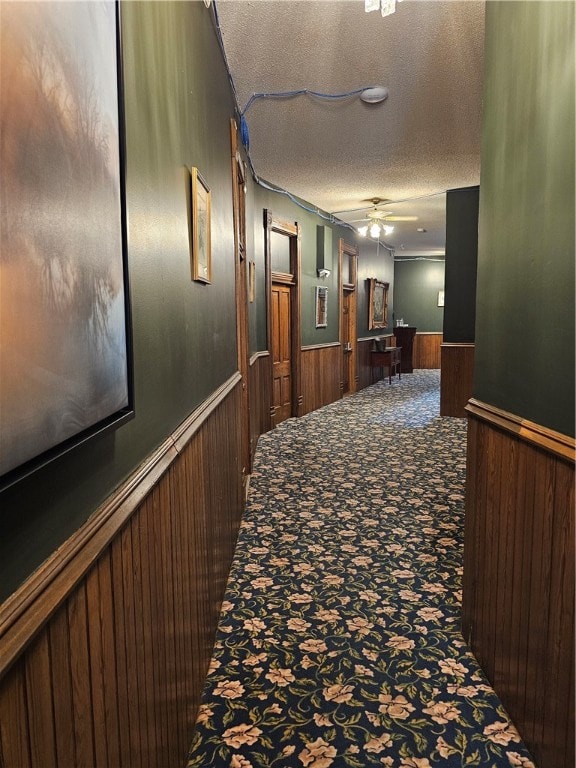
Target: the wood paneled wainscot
pixel 456 378
pixel 104 649
pixel 321 375
pixel 518 598
pixel 426 352
pixel 260 392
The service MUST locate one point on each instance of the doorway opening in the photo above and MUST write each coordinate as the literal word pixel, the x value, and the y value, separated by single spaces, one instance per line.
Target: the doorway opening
pixel 282 244
pixel 348 266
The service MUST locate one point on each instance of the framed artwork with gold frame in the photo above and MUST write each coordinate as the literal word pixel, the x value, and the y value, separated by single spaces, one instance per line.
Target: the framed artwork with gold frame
pixel 201 240
pixel 378 304
pixel 251 281
pixel 321 306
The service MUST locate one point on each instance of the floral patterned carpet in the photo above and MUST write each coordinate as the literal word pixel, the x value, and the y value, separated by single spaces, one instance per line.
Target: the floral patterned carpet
pixel 339 642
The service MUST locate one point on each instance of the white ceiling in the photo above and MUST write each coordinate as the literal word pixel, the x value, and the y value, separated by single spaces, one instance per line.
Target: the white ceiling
pixel 423 140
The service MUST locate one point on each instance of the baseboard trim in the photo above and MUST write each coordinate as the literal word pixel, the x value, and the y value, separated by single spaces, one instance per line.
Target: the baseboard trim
pixel 554 442
pixel 35 601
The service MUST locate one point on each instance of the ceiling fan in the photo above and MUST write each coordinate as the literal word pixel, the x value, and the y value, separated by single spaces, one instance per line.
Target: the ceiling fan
pixel 378 219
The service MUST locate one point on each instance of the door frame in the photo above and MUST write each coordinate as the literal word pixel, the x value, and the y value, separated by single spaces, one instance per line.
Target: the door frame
pixel 240 272
pixel 345 250
pixel 292 278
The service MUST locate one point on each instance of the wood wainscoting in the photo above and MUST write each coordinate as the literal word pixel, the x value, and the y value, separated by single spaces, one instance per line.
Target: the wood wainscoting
pixel 104 649
pixel 426 352
pixel 321 375
pixel 456 378
pixel 518 596
pixel 260 391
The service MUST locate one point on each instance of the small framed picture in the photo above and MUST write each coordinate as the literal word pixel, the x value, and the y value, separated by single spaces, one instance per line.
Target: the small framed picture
pixel 440 298
pixel 201 243
pixel 251 281
pixel 321 306
pixel 377 304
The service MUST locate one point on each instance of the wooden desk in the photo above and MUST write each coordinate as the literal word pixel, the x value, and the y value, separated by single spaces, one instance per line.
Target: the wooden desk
pixel 390 358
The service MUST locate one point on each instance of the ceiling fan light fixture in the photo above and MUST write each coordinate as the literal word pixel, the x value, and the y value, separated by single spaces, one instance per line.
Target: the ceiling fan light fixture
pixel 375 95
pixel 363 231
pixel 388 229
pixel 386 6
pixel 374 230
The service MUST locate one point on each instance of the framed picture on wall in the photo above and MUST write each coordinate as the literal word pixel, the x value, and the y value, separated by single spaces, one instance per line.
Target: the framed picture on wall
pixel 65 359
pixel 251 281
pixel 377 304
pixel 321 306
pixel 201 235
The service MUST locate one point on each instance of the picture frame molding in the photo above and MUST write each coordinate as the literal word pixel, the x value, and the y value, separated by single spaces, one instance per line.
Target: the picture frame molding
pixel 377 304
pixel 321 306
pixel 201 225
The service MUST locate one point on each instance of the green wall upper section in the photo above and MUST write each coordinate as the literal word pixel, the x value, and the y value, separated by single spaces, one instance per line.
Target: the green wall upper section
pixel 373 261
pixel 461 264
pixel 178 105
pixel 525 293
pixel 416 286
pixel 282 207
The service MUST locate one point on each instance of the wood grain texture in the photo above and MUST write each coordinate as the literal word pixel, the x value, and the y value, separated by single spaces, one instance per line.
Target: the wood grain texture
pixel 456 377
pixel 426 350
pixel 260 391
pixel 518 590
pixel 14 727
pixel 113 675
pixel 363 360
pixel 321 376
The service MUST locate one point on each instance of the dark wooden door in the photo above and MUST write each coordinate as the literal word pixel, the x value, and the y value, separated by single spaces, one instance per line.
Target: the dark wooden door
pixel 348 337
pixel 346 342
pixel 281 354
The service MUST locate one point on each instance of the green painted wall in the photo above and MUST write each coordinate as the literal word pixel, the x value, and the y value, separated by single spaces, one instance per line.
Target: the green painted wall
pixel 416 286
pixel 461 264
pixel 372 262
pixel 282 207
pixel 178 106
pixel 525 296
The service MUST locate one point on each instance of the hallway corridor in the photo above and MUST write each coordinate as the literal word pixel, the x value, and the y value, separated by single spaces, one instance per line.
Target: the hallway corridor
pixel 339 642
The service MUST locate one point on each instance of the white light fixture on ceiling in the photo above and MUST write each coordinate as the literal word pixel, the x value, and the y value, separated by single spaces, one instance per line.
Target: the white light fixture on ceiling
pixel 386 6
pixel 375 230
pixel 374 95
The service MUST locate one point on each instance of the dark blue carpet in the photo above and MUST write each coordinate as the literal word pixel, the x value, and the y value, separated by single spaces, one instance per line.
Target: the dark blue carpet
pixel 339 642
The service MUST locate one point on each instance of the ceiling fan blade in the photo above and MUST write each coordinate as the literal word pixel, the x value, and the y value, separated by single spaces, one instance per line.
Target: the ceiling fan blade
pixel 400 218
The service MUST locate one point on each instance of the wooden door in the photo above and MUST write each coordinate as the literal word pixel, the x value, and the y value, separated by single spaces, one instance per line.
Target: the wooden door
pixel 348 267
pixel 281 354
pixel 347 375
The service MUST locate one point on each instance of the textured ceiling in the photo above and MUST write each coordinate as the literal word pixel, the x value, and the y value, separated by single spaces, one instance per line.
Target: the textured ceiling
pixel 423 140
